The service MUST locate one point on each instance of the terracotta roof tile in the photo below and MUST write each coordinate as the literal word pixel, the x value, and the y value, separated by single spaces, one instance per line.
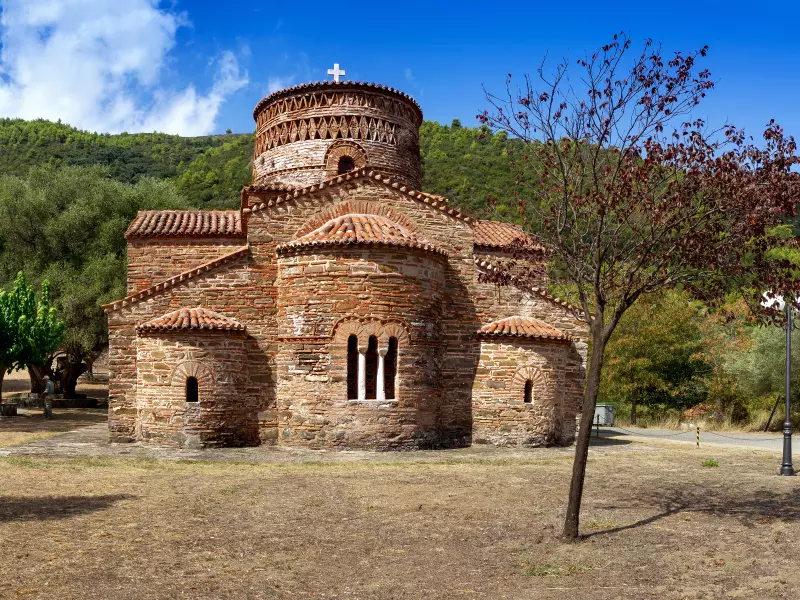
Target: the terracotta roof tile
pixel 360 229
pixel 494 234
pixel 523 327
pixel 191 319
pixel 329 85
pixel 186 223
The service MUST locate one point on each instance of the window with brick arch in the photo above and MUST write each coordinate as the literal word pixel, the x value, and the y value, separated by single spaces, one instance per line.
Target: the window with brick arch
pixel 352 367
pixel 346 164
pixel 372 368
pixel 192 390
pixel 390 369
pixel 528 394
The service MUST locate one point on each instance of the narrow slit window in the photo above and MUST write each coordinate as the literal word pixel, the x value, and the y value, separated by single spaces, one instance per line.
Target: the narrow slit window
pixel 192 390
pixel 372 368
pixel 390 369
pixel 352 367
pixel 346 164
pixel 528 392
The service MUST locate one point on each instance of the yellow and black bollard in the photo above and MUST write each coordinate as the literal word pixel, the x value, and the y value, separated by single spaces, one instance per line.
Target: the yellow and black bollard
pixel 698 436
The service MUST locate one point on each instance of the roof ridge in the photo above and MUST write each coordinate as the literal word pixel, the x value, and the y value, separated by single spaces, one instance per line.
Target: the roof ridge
pixel 172 281
pixel 438 202
pixel 485 264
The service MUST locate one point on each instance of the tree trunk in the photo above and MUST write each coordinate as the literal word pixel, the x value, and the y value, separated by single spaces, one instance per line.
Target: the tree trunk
pixel 634 399
pixel 68 378
pixel 572 519
pixel 36 374
pixel 2 376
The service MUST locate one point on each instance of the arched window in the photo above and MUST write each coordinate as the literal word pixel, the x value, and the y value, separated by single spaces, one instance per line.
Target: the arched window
pixel 352 367
pixel 528 392
pixel 346 164
pixel 390 369
pixel 372 368
pixel 192 390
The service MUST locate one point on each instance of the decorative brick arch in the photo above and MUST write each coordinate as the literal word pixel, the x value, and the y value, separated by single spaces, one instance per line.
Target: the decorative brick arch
pixel 538 379
pixel 363 328
pixel 200 371
pixel 339 150
pixel 359 207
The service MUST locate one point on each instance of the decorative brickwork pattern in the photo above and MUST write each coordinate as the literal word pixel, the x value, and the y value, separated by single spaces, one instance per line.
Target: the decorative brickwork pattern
pixel 298 131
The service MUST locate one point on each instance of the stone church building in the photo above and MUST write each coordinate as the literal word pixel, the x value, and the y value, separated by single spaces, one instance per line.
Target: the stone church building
pixel 340 306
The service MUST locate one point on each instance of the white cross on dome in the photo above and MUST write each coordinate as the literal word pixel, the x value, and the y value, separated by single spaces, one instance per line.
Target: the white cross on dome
pixel 336 72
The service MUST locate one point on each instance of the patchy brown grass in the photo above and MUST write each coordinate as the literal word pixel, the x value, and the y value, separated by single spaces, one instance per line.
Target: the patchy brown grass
pixel 463 524
pixel 30 425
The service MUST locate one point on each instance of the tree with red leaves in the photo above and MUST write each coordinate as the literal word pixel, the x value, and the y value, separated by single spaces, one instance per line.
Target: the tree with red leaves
pixel 631 196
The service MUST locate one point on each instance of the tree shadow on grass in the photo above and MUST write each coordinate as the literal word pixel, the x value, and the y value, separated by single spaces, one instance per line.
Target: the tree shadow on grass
pixel 752 508
pixel 53 508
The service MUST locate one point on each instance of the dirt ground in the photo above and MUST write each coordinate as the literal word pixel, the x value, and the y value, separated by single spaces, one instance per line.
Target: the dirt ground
pixel 473 523
pixel 19 381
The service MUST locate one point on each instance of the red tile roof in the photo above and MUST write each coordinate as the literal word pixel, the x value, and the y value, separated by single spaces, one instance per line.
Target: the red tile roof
pixel 359 229
pixel 191 319
pixel 494 234
pixel 523 327
pixel 186 223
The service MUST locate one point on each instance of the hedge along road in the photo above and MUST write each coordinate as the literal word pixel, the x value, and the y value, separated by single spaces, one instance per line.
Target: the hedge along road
pixel 755 441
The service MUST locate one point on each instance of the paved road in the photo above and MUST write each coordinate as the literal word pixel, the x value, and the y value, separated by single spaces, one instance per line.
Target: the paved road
pixel 760 441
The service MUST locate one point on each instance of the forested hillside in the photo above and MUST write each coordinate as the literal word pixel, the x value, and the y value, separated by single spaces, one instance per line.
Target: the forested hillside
pixel 67 196
pixel 466 164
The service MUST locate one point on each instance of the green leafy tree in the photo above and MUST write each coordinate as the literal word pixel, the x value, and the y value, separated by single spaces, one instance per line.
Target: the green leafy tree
pixel 659 354
pixel 66 225
pixel 31 328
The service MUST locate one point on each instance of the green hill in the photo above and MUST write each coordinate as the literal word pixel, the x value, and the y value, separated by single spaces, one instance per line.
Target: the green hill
pixel 467 165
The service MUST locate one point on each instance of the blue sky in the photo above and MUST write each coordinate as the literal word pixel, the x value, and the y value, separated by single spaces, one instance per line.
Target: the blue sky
pixel 197 66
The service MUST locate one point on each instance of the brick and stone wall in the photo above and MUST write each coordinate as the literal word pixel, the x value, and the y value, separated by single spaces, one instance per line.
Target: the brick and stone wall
pixel 298 131
pixel 218 360
pixel 153 260
pixel 326 295
pixel 500 414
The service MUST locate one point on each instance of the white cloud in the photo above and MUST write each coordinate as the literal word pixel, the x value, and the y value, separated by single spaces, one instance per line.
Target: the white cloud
pixel 275 84
pixel 100 65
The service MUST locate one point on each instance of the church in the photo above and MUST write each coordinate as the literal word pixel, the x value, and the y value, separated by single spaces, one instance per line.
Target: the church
pixel 340 306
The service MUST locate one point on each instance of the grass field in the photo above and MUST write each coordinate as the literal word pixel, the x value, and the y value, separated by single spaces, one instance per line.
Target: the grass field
pixel 473 523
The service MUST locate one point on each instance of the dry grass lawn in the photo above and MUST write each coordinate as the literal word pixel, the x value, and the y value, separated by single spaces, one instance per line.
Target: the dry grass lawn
pixel 473 523
pixel 30 425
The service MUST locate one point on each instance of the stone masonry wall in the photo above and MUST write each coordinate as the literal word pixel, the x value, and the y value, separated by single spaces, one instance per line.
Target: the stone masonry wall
pixel 295 131
pixel 500 414
pixel 496 302
pixel 236 290
pixel 325 296
pixel 153 260
pixel 218 361
pixel 459 346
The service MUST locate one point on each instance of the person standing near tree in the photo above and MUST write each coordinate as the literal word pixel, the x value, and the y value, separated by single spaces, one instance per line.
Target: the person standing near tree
pixel 49 390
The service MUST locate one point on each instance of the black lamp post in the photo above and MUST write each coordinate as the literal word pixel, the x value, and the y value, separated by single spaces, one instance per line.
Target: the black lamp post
pixel 786 465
